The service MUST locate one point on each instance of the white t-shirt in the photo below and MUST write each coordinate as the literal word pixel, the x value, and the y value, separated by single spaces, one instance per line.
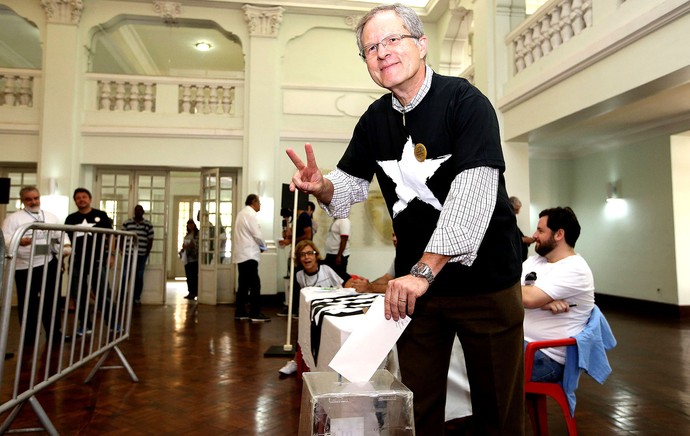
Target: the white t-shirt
pixel 325 277
pixel 339 227
pixel 569 279
pixel 43 237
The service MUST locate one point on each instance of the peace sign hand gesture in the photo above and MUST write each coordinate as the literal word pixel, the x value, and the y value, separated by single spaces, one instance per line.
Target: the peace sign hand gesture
pixel 308 178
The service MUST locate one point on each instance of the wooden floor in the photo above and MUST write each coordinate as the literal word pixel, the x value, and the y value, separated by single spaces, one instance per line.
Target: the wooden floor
pixel 201 372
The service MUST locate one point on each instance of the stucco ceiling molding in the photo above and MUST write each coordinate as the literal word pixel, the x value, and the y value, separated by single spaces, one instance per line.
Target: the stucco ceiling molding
pixel 63 11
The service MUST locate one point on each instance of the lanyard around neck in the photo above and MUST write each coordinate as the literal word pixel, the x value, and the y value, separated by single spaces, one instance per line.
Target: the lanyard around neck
pixel 40 218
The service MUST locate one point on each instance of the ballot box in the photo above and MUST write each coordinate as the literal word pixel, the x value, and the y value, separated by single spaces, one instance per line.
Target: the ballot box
pixel 333 406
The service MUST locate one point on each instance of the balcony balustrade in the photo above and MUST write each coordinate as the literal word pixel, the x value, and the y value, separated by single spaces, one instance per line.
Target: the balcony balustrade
pixel 17 87
pixel 140 94
pixel 556 22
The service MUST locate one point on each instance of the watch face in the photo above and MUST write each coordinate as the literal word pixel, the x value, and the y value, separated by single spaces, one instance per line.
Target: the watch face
pixel 422 270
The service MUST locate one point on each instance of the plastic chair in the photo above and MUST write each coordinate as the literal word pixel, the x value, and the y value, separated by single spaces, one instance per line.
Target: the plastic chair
pixel 536 392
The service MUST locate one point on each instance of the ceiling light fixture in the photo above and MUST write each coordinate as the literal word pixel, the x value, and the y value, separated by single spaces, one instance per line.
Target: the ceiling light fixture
pixel 203 46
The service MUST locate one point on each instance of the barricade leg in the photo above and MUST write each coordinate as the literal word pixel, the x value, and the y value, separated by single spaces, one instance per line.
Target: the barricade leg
pixel 10 418
pixel 48 426
pixel 101 361
pixel 43 417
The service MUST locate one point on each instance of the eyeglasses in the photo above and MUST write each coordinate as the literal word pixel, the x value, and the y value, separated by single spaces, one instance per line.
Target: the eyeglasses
pixel 307 253
pixel 370 51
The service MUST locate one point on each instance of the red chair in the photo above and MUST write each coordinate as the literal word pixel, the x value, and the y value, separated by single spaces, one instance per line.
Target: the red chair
pixel 536 392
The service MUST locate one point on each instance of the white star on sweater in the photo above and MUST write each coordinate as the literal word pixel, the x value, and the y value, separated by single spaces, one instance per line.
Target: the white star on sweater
pixel 86 224
pixel 410 177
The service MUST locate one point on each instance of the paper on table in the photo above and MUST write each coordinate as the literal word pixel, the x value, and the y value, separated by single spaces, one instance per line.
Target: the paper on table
pixel 367 346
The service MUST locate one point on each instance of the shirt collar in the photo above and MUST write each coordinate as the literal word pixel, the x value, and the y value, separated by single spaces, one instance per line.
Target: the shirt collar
pixel 417 98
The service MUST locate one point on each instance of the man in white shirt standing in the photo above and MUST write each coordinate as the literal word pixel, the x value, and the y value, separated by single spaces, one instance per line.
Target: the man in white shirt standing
pixel 338 245
pixel 557 290
pixel 247 245
pixel 44 244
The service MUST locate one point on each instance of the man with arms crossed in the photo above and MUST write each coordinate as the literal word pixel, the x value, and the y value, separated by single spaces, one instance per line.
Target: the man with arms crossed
pixel 556 280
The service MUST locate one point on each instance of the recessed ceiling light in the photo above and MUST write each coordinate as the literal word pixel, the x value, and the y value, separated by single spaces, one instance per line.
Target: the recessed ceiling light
pixel 203 46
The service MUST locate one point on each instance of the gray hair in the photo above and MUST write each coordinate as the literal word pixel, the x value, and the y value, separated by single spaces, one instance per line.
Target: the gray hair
pixel 26 189
pixel 409 17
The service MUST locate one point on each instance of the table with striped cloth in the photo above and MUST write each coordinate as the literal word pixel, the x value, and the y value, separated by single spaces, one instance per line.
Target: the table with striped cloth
pixel 336 329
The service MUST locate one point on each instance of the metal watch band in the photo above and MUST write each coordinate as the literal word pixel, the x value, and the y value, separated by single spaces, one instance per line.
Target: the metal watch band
pixel 420 269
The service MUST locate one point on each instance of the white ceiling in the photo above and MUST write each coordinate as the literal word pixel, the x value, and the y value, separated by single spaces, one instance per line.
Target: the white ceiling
pixel 657 108
pixel 150 47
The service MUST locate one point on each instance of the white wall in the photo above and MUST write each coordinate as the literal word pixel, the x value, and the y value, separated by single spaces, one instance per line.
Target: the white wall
pixel 629 245
pixel 680 168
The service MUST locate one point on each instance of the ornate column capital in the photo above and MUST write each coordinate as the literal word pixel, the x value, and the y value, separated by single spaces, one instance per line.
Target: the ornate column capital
pixel 352 21
pixel 169 11
pixel 63 11
pixel 263 21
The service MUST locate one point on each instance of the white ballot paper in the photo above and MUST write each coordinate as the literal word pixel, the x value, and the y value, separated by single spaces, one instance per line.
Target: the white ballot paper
pixel 367 346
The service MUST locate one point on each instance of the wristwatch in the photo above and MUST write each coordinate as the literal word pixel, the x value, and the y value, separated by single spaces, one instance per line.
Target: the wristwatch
pixel 422 270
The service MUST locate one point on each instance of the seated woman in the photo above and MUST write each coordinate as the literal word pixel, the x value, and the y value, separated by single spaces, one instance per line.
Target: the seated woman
pixel 313 274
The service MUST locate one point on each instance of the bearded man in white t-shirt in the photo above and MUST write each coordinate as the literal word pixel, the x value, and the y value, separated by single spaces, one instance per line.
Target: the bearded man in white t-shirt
pixel 29 274
pixel 557 290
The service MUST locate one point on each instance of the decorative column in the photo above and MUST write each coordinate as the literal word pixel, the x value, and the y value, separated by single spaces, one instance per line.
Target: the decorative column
pixel 262 88
pixel 59 161
pixel 492 21
pixel 262 147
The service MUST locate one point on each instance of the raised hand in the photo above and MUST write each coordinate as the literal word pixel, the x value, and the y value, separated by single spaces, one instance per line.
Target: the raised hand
pixel 308 178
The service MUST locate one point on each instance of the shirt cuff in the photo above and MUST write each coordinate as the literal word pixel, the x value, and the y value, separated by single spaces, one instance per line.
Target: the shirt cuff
pixel 466 215
pixel 347 190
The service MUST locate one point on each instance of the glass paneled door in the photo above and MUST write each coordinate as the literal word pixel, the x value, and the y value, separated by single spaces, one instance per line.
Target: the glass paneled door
pixel 216 272
pixel 118 191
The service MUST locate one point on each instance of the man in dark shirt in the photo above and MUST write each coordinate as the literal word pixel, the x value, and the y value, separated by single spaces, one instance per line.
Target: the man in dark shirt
pixel 82 249
pixel 305 224
pixel 433 143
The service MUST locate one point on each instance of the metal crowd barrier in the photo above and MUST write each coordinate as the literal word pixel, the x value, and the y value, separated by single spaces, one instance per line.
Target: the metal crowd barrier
pixel 51 341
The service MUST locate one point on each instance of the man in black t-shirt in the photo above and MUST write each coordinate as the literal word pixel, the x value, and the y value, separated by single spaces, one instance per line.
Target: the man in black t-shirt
pixel 433 144
pixel 82 249
pixel 305 224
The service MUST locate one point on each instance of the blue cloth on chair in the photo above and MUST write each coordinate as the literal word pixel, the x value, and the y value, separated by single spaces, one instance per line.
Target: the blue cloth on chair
pixel 589 355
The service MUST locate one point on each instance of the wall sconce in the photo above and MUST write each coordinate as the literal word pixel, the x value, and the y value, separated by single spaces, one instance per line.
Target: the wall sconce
pixel 260 187
pixel 612 191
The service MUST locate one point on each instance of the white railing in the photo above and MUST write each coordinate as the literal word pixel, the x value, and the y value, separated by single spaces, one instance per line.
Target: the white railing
pixel 552 25
pixel 50 342
pixel 127 95
pixel 207 99
pixel 17 87
pixel 118 93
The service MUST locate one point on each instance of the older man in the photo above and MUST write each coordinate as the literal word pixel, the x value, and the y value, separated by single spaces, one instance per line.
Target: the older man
pixel 247 245
pixel 44 244
pixel 433 143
